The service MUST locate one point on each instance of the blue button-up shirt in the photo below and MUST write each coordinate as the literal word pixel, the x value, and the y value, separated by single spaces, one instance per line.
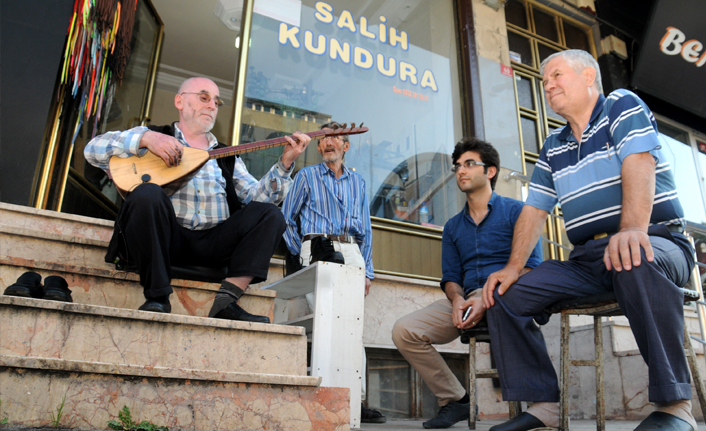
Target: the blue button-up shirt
pixel 330 205
pixel 470 252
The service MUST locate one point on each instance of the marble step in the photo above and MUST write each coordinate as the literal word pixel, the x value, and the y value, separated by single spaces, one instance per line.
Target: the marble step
pixel 73 247
pixel 94 392
pixel 78 332
pixel 110 288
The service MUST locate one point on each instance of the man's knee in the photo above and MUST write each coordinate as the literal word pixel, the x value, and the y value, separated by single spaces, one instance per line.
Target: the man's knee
pixel 400 332
pixel 146 198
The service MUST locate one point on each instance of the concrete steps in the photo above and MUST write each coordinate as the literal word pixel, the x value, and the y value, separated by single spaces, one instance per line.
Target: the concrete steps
pixel 73 247
pixel 99 353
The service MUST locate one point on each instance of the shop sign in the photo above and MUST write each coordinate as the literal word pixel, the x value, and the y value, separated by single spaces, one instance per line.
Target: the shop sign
pixel 673 54
pixel 337 49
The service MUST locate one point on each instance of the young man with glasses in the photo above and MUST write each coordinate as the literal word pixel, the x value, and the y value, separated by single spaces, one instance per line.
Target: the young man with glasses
pixel 328 219
pixel 475 243
pixel 222 217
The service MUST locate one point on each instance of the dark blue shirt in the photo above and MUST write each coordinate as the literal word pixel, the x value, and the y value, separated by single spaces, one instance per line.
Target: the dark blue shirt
pixel 470 253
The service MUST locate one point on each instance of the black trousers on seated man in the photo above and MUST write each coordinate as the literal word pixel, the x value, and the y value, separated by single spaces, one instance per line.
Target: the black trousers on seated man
pixel 154 240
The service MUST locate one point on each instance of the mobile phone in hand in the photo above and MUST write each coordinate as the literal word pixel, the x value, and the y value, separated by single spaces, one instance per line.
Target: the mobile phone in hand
pixel 467 313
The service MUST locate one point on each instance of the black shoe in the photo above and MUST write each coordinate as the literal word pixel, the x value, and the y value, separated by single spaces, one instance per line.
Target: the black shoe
pixel 29 285
pixel 322 250
pixel 292 263
pixel 522 422
pixel 235 312
pixel 371 416
pixel 448 415
pixel 156 306
pixel 663 421
pixel 57 289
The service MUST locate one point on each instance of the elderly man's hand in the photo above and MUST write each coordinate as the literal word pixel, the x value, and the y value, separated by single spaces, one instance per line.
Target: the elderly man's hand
pixel 623 250
pixel 506 277
pixel 294 148
pixel 367 286
pixel 166 147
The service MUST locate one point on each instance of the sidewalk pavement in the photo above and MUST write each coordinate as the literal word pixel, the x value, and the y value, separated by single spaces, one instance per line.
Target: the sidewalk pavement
pixel 484 425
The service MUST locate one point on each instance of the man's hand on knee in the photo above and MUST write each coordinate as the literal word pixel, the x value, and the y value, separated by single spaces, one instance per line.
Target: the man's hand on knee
pixel 623 250
pixel 505 277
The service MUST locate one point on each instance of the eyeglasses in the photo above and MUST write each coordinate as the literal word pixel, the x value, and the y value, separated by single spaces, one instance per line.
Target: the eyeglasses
pixel 467 164
pixel 206 98
pixel 332 138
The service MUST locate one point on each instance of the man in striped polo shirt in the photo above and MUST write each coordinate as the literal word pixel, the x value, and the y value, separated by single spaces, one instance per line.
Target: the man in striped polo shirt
pixel 327 213
pixel 619 200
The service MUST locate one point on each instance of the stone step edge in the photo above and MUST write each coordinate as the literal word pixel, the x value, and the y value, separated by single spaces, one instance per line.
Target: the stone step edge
pixel 51 236
pixel 117 276
pixel 4 206
pixel 123 313
pixel 74 366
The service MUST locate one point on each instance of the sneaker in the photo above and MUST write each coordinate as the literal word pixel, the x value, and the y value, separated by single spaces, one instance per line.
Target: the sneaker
pixel 371 416
pixel 322 250
pixel 449 415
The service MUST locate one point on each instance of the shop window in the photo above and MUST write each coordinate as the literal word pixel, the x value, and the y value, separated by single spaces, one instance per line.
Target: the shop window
pixel 683 158
pixel 545 25
pixel 534 33
pixel 395 389
pixel 516 13
pixel 395 69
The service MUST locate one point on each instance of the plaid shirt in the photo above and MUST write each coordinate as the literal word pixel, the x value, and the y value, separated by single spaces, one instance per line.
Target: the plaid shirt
pixel 201 204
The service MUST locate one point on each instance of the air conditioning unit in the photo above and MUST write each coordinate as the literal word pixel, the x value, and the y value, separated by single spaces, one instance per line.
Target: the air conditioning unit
pixel 230 12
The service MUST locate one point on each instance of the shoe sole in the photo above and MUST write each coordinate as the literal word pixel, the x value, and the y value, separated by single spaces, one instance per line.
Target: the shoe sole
pixel 20 291
pixel 57 296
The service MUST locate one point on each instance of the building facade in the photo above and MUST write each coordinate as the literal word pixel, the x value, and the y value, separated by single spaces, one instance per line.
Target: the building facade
pixel 421 74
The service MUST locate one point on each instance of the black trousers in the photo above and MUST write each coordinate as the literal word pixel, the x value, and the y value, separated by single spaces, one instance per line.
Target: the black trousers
pixel 155 240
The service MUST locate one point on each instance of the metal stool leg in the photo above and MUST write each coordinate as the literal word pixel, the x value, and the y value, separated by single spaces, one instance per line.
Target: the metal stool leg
pixel 564 364
pixel 695 372
pixel 472 382
pixel 600 398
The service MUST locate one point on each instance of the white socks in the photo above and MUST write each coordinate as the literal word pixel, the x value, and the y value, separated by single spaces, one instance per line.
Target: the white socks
pixel 548 413
pixel 680 409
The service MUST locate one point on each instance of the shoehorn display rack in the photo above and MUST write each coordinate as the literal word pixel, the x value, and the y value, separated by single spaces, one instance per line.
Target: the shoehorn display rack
pixel 335 328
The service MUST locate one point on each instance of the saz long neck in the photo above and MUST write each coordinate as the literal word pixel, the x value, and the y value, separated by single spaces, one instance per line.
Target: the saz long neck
pixel 254 146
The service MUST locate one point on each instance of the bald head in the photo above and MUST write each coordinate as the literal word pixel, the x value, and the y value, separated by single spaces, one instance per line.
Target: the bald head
pixel 196 84
pixel 197 112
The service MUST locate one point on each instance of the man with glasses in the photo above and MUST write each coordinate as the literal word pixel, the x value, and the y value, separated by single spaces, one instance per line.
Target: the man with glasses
pixel 222 217
pixel 475 243
pixel 328 219
pixel 622 214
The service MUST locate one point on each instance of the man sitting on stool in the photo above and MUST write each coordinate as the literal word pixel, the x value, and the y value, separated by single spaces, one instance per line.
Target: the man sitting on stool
pixel 328 219
pixel 475 242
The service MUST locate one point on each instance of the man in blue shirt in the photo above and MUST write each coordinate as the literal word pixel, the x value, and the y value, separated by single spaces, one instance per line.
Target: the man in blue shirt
pixel 622 214
pixel 327 207
pixel 476 242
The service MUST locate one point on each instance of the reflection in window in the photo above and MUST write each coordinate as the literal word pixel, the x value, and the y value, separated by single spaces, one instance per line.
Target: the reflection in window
pixel 331 61
pixel 681 158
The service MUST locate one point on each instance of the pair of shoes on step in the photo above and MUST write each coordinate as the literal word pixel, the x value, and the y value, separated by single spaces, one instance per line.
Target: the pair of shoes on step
pixel 232 312
pixel 371 416
pixel 29 285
